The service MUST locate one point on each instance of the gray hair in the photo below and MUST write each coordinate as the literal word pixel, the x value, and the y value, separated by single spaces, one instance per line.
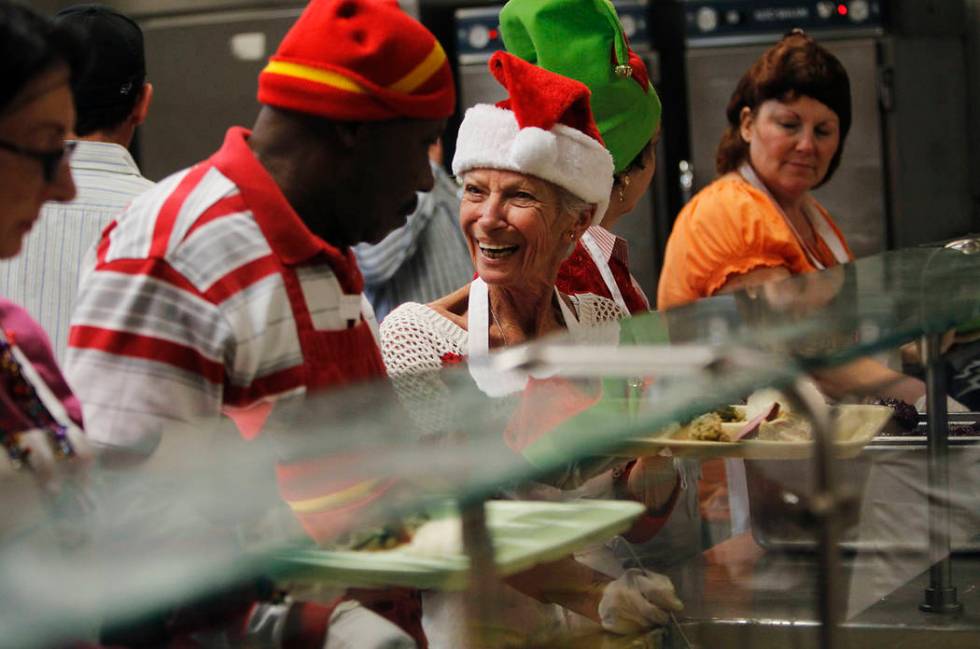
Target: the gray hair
pixel 569 203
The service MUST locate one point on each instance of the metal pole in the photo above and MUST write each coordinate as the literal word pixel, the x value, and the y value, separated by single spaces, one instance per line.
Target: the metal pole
pixel 825 507
pixel 940 596
pixel 483 587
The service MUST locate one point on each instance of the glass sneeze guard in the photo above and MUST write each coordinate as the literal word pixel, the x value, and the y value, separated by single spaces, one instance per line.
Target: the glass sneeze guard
pixel 207 512
pixel 830 317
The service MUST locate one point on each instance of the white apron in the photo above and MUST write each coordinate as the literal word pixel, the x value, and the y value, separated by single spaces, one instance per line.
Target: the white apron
pixel 492 382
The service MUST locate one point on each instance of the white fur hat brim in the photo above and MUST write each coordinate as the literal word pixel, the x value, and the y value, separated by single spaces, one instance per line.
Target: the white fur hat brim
pixel 490 138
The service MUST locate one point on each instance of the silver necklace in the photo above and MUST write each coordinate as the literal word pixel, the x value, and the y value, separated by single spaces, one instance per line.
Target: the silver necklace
pixel 496 320
pixel 500 326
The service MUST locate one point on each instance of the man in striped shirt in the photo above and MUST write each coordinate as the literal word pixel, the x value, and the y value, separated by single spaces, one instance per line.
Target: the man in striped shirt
pixel 112 98
pixel 232 285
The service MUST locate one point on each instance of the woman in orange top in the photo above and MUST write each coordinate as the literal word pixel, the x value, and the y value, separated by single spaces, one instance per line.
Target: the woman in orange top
pixel 787 121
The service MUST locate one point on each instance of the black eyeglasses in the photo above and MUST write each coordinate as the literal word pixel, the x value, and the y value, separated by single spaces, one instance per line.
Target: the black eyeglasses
pixel 50 160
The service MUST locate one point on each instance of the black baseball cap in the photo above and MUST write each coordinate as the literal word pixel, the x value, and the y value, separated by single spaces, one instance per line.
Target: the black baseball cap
pixel 117 64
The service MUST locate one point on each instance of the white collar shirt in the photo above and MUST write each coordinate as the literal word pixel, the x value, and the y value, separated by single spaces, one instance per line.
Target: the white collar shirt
pixel 43 278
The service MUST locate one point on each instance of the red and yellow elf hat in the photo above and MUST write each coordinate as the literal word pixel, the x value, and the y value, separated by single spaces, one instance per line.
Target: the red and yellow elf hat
pixel 359 60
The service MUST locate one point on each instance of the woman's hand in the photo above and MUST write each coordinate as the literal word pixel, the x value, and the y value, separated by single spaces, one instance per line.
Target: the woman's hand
pixel 912 352
pixel 636 601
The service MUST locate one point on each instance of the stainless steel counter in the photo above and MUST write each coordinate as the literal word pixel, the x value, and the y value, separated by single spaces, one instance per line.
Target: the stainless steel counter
pixel 739 595
pixel 652 640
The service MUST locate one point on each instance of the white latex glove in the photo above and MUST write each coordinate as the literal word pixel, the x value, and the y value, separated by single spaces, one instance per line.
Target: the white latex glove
pixel 638 600
pixel 354 627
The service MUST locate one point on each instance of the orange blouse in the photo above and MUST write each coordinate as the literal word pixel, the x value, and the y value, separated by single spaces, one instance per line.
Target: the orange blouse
pixel 730 228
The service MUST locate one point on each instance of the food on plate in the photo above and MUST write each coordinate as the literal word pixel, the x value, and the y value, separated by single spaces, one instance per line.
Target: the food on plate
pixel 707 428
pixel 751 428
pixel 787 427
pixel 438 538
pixel 710 426
pixel 375 539
pixel 767 415
pixel 965 430
pixel 417 535
pixel 731 414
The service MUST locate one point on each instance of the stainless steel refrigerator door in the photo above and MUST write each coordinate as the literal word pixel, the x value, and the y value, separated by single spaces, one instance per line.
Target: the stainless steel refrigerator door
pixel 204 69
pixel 855 196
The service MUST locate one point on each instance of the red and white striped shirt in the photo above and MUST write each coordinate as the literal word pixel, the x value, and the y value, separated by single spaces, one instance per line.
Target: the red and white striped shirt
pixel 209 294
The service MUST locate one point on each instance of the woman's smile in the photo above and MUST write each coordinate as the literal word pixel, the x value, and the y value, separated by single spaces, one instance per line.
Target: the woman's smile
pixel 497 251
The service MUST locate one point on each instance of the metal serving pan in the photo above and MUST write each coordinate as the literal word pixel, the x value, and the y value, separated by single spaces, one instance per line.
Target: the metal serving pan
pixel 890 484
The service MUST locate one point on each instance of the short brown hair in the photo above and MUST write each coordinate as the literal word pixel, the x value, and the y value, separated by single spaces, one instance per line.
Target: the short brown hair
pixel 794 67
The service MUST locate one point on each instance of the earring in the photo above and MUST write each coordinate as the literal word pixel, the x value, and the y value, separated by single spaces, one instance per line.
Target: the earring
pixel 571 236
pixel 624 184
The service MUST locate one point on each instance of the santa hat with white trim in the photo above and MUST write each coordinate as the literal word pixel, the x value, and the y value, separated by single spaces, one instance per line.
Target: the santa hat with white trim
pixel 545 129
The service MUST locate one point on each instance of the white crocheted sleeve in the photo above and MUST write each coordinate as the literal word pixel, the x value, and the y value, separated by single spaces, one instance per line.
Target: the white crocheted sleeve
pixel 417 342
pixel 414 339
pixel 594 309
pixel 598 320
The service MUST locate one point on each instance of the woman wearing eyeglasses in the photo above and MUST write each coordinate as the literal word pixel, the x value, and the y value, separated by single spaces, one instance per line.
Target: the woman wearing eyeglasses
pixel 40 419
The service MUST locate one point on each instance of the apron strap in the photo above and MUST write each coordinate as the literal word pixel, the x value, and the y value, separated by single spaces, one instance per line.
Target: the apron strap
pixel 478 318
pixel 599 259
pixel 824 230
pixel 492 382
pixel 819 222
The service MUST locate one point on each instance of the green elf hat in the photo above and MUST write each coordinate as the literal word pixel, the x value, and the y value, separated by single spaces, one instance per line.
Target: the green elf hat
pixel 584 40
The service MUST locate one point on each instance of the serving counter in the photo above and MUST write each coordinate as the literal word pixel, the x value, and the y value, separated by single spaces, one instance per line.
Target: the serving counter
pixel 211 512
pixel 741 595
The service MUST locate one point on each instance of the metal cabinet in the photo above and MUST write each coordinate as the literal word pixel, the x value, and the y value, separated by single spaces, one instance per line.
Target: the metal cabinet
pixel 204 68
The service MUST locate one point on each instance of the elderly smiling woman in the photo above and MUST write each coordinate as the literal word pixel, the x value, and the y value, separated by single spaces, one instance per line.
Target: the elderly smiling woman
pixel 535 176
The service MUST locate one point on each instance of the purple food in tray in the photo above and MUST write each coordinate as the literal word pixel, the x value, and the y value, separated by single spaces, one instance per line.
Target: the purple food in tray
pixel 905 419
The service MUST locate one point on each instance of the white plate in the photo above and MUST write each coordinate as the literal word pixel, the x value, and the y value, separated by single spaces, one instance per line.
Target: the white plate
pixel 854 426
